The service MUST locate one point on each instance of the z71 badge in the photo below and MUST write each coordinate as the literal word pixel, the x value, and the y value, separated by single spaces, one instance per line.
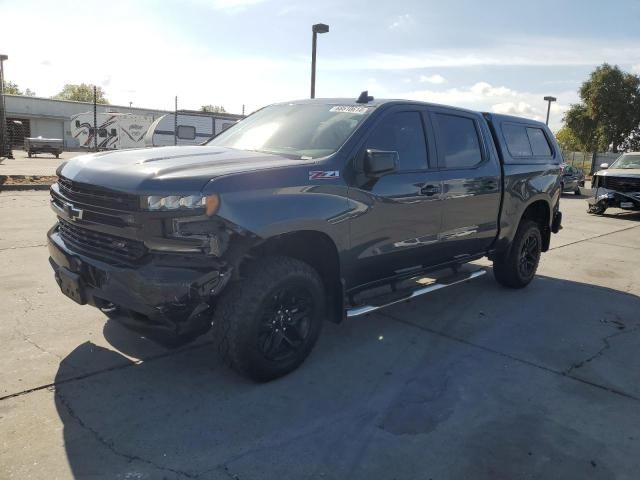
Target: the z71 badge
pixel 324 174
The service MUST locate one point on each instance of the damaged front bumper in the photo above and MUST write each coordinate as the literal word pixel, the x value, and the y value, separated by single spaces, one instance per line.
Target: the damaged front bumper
pixel 168 297
pixel 605 198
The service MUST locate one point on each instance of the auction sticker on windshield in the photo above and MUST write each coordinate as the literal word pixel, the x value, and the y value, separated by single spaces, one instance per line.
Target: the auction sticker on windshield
pixel 349 109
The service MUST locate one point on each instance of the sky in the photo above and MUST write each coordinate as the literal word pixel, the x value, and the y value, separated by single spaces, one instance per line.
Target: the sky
pixel 494 55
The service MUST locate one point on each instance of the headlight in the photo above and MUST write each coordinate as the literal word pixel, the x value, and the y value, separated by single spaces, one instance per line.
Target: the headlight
pixel 179 202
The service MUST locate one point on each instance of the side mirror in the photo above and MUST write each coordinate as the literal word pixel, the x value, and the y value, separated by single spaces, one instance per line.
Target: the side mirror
pixel 378 162
pixel 604 166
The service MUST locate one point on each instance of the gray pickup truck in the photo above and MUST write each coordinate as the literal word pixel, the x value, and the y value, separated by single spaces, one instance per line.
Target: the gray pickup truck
pixel 303 212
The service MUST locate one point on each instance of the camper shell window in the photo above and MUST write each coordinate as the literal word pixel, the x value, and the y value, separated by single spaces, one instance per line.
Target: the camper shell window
pixel 526 142
pixel 186 132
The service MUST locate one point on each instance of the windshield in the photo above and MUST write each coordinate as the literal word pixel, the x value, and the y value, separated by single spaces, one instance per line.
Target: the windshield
pixel 628 160
pixel 303 131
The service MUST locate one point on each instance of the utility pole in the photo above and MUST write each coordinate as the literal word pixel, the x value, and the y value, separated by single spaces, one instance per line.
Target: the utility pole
pixel 5 144
pixel 175 123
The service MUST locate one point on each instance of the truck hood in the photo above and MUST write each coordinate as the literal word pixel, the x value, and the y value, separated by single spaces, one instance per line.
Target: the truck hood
pixel 620 172
pixel 166 169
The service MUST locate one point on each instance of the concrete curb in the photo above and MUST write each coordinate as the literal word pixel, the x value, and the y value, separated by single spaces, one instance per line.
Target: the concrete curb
pixel 14 188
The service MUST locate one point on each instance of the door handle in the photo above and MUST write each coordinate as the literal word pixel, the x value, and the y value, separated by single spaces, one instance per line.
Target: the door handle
pixel 430 190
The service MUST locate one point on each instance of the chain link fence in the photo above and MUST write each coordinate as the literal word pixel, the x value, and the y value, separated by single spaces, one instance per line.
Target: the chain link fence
pixel 588 162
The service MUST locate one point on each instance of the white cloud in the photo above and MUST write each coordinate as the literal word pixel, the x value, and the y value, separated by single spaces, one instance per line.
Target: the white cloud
pixel 532 51
pixel 401 22
pixel 483 96
pixel 435 79
pixel 515 108
pixel 229 5
pixel 147 76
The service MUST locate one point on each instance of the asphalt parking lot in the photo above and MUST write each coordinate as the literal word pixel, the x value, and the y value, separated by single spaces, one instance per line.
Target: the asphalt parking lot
pixel 472 382
pixel 42 164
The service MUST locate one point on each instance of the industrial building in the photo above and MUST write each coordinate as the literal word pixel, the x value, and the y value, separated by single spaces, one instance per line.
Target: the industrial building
pixel 50 118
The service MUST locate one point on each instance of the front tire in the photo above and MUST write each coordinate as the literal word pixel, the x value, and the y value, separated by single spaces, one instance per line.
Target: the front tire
pixel 517 268
pixel 266 325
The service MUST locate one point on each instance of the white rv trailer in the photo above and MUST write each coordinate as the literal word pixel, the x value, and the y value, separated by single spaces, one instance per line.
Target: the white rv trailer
pixel 193 128
pixel 115 130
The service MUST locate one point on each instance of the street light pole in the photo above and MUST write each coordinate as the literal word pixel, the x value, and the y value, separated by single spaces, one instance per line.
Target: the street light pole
pixel 549 100
pixel 5 148
pixel 315 29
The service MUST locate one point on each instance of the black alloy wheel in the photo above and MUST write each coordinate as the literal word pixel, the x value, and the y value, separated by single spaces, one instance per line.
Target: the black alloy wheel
pixel 529 255
pixel 286 323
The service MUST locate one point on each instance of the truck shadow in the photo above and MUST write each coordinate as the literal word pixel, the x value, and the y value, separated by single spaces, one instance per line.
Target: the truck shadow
pixel 381 396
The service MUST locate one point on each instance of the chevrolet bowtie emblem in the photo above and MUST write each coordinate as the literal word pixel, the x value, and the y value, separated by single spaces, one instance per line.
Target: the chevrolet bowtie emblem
pixel 73 212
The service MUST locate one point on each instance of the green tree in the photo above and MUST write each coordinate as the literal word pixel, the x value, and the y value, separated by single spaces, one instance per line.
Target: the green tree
pixel 81 93
pixel 611 100
pixel 11 88
pixel 585 129
pixel 568 140
pixel 213 109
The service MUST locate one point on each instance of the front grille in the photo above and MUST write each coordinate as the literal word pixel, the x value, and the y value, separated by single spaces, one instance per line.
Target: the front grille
pixel 102 245
pixel 619 184
pixel 101 197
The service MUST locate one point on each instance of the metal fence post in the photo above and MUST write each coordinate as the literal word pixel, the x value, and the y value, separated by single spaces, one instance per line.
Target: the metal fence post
pixel 175 123
pixel 95 119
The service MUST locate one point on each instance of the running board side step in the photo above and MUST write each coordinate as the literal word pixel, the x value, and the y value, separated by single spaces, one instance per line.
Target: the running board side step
pixel 364 309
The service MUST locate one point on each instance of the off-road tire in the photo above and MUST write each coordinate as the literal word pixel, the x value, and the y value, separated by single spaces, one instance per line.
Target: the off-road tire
pixel 240 314
pixel 508 269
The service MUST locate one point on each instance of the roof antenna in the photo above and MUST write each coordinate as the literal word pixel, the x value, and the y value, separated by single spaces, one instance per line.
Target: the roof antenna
pixel 364 97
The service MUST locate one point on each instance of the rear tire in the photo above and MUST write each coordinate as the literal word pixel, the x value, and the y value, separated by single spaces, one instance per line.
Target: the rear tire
pixel 266 325
pixel 517 268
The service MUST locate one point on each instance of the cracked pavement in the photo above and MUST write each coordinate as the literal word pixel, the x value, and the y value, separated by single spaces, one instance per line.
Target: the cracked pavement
pixel 475 381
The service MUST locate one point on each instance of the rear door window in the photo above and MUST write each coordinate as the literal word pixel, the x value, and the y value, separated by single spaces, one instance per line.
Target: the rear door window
pixel 457 140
